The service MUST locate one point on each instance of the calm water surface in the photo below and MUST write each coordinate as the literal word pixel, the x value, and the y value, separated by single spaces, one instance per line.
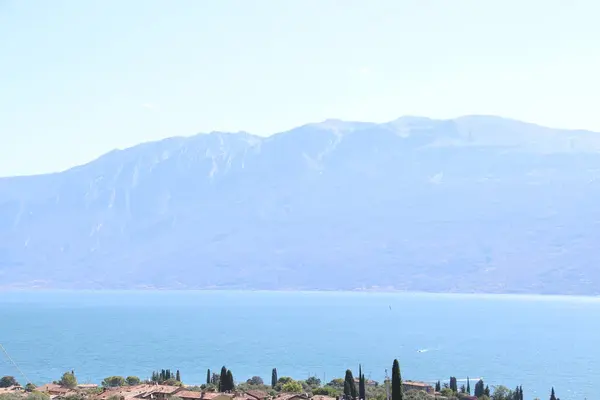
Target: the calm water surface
pixel 537 342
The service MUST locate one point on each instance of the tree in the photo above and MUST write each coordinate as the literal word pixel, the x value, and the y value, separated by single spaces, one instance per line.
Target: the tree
pixel 520 392
pixel 274 378
pixel 178 376
pixel 292 387
pixel 30 387
pixel 68 380
pixel 479 388
pixel 396 382
pixel 223 380
pixel 208 381
pixel 468 386
pixel 453 384
pixel 133 380
pixel 313 382
pixel 325 391
pixel 463 389
pixel 349 386
pixel 552 395
pixel 362 391
pixel 438 386
pixel 255 381
pixel 230 381
pixel 501 393
pixel 113 381
pixel 8 381
pixel 486 391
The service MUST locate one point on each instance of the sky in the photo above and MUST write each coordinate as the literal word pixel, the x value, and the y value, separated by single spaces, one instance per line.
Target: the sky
pixel 80 78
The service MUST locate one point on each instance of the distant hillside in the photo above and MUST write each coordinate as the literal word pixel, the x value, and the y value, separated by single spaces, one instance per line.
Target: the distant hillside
pixel 473 204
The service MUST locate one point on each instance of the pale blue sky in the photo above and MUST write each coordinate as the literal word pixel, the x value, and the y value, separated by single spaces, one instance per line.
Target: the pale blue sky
pixel 79 78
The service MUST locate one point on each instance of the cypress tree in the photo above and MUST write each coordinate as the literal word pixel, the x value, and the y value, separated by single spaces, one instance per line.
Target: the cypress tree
pixel 274 378
pixel 362 392
pixel 438 386
pixel 178 376
pixel 520 392
pixel 479 388
pixel 230 382
pixel 349 385
pixel 552 395
pixel 208 376
pixel 468 386
pixel 223 380
pixel 453 384
pixel 486 391
pixel 396 382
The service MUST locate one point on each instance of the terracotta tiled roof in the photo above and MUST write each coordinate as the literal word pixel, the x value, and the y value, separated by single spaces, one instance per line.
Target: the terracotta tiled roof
pixel 188 394
pixel 53 388
pixel 257 394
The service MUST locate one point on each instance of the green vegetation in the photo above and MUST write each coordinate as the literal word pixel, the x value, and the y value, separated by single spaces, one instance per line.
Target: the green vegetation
pixel 30 387
pixel 361 384
pixel 349 386
pixel 312 386
pixel 8 381
pixel 292 387
pixel 453 384
pixel 396 382
pixel 132 380
pixel 166 377
pixel 68 380
pixel 274 378
pixel 255 381
pixel 30 396
pixel 226 382
pixel 113 381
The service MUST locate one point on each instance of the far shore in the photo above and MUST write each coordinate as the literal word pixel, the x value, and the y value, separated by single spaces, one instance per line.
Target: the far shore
pixel 490 295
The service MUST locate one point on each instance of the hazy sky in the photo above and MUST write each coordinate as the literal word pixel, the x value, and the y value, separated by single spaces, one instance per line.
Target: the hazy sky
pixel 79 78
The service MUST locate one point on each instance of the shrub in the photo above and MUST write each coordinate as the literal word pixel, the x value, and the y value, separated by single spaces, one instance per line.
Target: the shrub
pixel 8 381
pixel 133 380
pixel 292 387
pixel 113 381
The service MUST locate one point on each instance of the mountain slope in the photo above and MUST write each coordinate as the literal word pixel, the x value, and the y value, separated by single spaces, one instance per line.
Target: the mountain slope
pixel 474 204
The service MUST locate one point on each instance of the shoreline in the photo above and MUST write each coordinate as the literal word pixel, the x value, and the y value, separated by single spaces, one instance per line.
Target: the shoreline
pixel 486 295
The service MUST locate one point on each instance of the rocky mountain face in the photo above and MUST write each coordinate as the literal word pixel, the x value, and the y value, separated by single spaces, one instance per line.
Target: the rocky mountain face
pixel 475 204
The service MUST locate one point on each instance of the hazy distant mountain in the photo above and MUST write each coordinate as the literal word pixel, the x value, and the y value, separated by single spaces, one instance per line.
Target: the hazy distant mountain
pixel 472 204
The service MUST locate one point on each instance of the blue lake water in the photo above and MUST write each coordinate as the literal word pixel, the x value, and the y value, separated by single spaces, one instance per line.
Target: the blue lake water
pixel 537 342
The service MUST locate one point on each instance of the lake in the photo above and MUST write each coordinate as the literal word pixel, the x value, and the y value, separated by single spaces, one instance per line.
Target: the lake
pixel 534 341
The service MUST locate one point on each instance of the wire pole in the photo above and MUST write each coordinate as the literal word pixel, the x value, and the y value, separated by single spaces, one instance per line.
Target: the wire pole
pixel 14 363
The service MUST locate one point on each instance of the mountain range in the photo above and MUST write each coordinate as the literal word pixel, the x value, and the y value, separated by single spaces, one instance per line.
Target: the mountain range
pixel 473 204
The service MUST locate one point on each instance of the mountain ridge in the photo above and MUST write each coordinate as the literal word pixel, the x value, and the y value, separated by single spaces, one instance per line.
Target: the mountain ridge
pixel 473 204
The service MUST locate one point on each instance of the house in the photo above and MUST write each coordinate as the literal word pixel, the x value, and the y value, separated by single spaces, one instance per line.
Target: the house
pixel 412 385
pixel 292 396
pixel 159 392
pixel 368 382
pixel 257 395
pixel 189 395
pixel 86 386
pixel 126 392
pixel 54 390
